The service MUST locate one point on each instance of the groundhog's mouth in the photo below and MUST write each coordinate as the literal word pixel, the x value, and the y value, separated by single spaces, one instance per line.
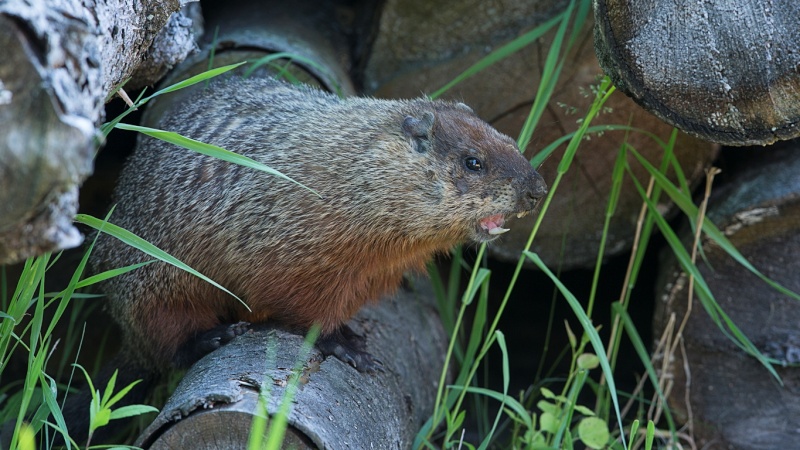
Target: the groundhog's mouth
pixel 493 225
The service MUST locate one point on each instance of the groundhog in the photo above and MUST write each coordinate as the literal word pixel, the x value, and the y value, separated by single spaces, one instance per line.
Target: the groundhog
pixel 397 181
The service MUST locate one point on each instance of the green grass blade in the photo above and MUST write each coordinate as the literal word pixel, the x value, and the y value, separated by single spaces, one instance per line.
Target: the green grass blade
pixel 544 153
pixel 39 417
pixel 281 419
pixel 651 433
pixel 604 92
pixel 131 411
pixel 588 328
pixel 94 279
pixel 108 126
pixel 644 357
pixel 136 242
pixel 261 417
pixel 475 284
pixel 110 400
pixel 445 308
pixel 209 150
pixel 199 78
pixel 641 248
pixel 212 53
pixel 19 302
pixel 715 312
pixel 114 91
pixel 501 53
pixel 632 433
pixel 647 229
pixel 512 403
pixel 66 294
pixel 577 385
pixel 684 202
pixel 617 176
pixel 109 390
pixel 36 361
pixel 294 57
pixel 501 342
pixel 547 84
pixel 445 401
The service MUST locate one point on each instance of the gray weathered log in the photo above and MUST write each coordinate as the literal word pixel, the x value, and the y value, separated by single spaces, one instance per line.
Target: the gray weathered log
pixel 309 29
pixel 734 401
pixel 335 406
pixel 60 62
pixel 247 31
pixel 174 43
pixel 728 72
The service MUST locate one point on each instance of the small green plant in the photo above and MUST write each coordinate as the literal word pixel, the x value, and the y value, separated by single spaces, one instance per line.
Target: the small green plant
pixel 100 412
pixel 553 426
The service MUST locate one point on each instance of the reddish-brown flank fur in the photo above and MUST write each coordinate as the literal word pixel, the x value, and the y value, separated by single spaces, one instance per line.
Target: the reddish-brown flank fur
pixel 394 186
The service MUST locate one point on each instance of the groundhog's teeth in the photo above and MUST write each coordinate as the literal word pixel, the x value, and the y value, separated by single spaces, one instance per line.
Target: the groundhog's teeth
pixel 522 214
pixel 498 230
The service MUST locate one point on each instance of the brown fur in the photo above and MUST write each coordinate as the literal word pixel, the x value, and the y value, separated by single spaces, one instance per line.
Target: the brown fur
pixel 394 187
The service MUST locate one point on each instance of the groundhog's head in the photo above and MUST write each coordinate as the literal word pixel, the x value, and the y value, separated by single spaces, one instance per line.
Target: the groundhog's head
pixel 486 179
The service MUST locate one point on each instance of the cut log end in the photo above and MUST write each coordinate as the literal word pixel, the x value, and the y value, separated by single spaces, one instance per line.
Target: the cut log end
pixel 727 75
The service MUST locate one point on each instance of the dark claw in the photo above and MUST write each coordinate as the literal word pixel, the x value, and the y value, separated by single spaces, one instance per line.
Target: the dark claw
pixel 347 358
pixel 207 345
pixel 406 285
pixel 208 341
pixel 349 348
pixel 238 329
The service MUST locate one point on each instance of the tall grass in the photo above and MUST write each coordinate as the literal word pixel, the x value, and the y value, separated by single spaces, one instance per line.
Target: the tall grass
pixel 29 318
pixel 554 423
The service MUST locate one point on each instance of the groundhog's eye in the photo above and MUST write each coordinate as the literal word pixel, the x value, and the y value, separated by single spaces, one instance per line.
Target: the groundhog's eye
pixel 473 163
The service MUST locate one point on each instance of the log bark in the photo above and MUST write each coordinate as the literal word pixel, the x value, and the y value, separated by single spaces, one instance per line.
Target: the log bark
pixel 244 31
pixel 61 60
pixel 729 398
pixel 727 72
pixel 335 406
pixel 410 56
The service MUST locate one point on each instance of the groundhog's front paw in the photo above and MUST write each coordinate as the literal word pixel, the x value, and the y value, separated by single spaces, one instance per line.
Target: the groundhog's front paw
pixel 208 341
pixel 349 348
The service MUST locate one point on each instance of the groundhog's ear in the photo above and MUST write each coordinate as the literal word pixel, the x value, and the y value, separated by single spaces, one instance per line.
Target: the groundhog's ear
pixel 464 107
pixel 421 130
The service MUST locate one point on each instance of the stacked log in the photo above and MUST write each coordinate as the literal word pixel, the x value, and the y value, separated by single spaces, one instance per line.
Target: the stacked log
pixel 60 62
pixel 728 397
pixel 334 405
pixel 727 72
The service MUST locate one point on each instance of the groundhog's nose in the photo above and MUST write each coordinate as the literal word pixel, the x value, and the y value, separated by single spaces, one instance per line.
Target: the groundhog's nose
pixel 537 188
pixel 533 189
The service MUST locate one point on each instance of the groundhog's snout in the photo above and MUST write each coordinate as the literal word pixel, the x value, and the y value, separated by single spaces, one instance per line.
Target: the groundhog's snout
pixel 533 189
